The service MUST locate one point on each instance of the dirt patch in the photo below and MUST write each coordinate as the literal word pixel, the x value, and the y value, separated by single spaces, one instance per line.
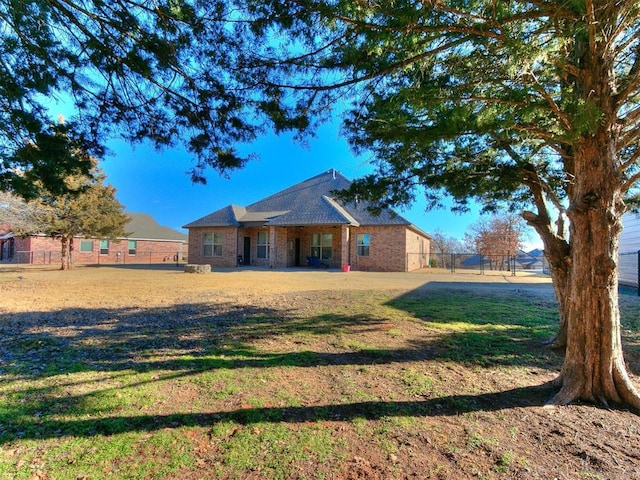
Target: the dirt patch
pixel 325 352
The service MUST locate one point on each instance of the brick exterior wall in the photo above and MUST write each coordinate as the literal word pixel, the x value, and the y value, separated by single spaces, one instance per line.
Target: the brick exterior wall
pixel 336 260
pixel 252 235
pixel 38 250
pixel 230 249
pixel 418 250
pixel 392 248
pixel 282 243
pixel 387 249
pixel 280 253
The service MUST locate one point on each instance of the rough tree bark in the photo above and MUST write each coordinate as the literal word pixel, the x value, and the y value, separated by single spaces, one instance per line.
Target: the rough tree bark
pixel 594 368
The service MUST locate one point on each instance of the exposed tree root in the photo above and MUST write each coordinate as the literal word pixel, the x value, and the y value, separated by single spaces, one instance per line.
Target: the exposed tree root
pixel 622 392
pixel 627 391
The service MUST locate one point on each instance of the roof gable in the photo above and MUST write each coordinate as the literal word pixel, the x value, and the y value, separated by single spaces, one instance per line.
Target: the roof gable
pixel 225 217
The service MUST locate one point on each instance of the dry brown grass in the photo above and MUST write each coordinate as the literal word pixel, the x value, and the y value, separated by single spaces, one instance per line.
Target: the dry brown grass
pixel 88 287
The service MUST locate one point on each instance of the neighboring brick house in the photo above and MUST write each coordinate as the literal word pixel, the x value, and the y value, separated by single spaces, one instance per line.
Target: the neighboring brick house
pixel 146 242
pixel 306 220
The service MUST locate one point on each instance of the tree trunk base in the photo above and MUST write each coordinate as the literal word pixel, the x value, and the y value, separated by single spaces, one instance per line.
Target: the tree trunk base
pixel 620 392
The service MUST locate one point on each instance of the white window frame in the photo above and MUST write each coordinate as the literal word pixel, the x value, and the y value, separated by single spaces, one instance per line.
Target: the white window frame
pixel 212 244
pixel 263 245
pixel 363 244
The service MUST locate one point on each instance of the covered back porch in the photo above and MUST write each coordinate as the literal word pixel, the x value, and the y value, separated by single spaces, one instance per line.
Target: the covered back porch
pixel 278 247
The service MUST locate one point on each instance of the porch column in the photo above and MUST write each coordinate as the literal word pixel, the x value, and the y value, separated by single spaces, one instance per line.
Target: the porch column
pixel 345 250
pixel 273 248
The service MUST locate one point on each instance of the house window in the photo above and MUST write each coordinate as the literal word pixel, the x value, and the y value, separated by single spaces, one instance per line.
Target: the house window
pixel 133 247
pixel 86 246
pixel 217 244
pixel 212 244
pixel 322 245
pixel 363 240
pixel 207 245
pixel 263 244
pixel 104 247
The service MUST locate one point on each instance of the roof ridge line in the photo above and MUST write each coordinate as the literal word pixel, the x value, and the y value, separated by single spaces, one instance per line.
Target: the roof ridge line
pixel 341 210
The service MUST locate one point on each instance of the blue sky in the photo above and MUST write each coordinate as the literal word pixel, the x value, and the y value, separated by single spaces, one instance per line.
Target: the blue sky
pixel 157 183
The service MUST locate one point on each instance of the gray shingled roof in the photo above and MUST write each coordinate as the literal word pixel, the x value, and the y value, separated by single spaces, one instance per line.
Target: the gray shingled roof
pixel 310 202
pixel 144 226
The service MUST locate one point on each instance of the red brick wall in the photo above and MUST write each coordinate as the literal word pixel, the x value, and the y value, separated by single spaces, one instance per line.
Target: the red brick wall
pixel 281 251
pixel 278 246
pixel 253 257
pixel 229 247
pixel 386 249
pixel 336 244
pixel 418 250
pixel 391 249
pixel 45 250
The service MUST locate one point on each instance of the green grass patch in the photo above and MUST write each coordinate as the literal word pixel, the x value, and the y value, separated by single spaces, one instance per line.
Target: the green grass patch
pixel 417 383
pixel 485 330
pixel 115 456
pixel 275 450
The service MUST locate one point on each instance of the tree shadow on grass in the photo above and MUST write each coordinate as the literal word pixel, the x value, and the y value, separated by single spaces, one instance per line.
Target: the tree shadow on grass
pixel 485 327
pixel 35 427
pixel 41 352
pixel 503 324
pixel 200 337
pixel 193 337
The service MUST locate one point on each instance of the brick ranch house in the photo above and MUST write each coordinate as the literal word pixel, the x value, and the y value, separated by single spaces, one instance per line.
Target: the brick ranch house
pixel 306 220
pixel 146 242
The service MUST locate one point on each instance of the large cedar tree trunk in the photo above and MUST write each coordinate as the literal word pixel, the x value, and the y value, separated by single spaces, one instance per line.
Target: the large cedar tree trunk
pixel 594 368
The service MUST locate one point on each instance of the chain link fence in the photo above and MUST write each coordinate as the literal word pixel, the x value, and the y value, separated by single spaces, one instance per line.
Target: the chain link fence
pixel 475 263
pixel 54 257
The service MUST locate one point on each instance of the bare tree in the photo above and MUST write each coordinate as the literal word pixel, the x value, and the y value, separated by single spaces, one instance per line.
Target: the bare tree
pixel 19 216
pixel 498 238
pixel 442 247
